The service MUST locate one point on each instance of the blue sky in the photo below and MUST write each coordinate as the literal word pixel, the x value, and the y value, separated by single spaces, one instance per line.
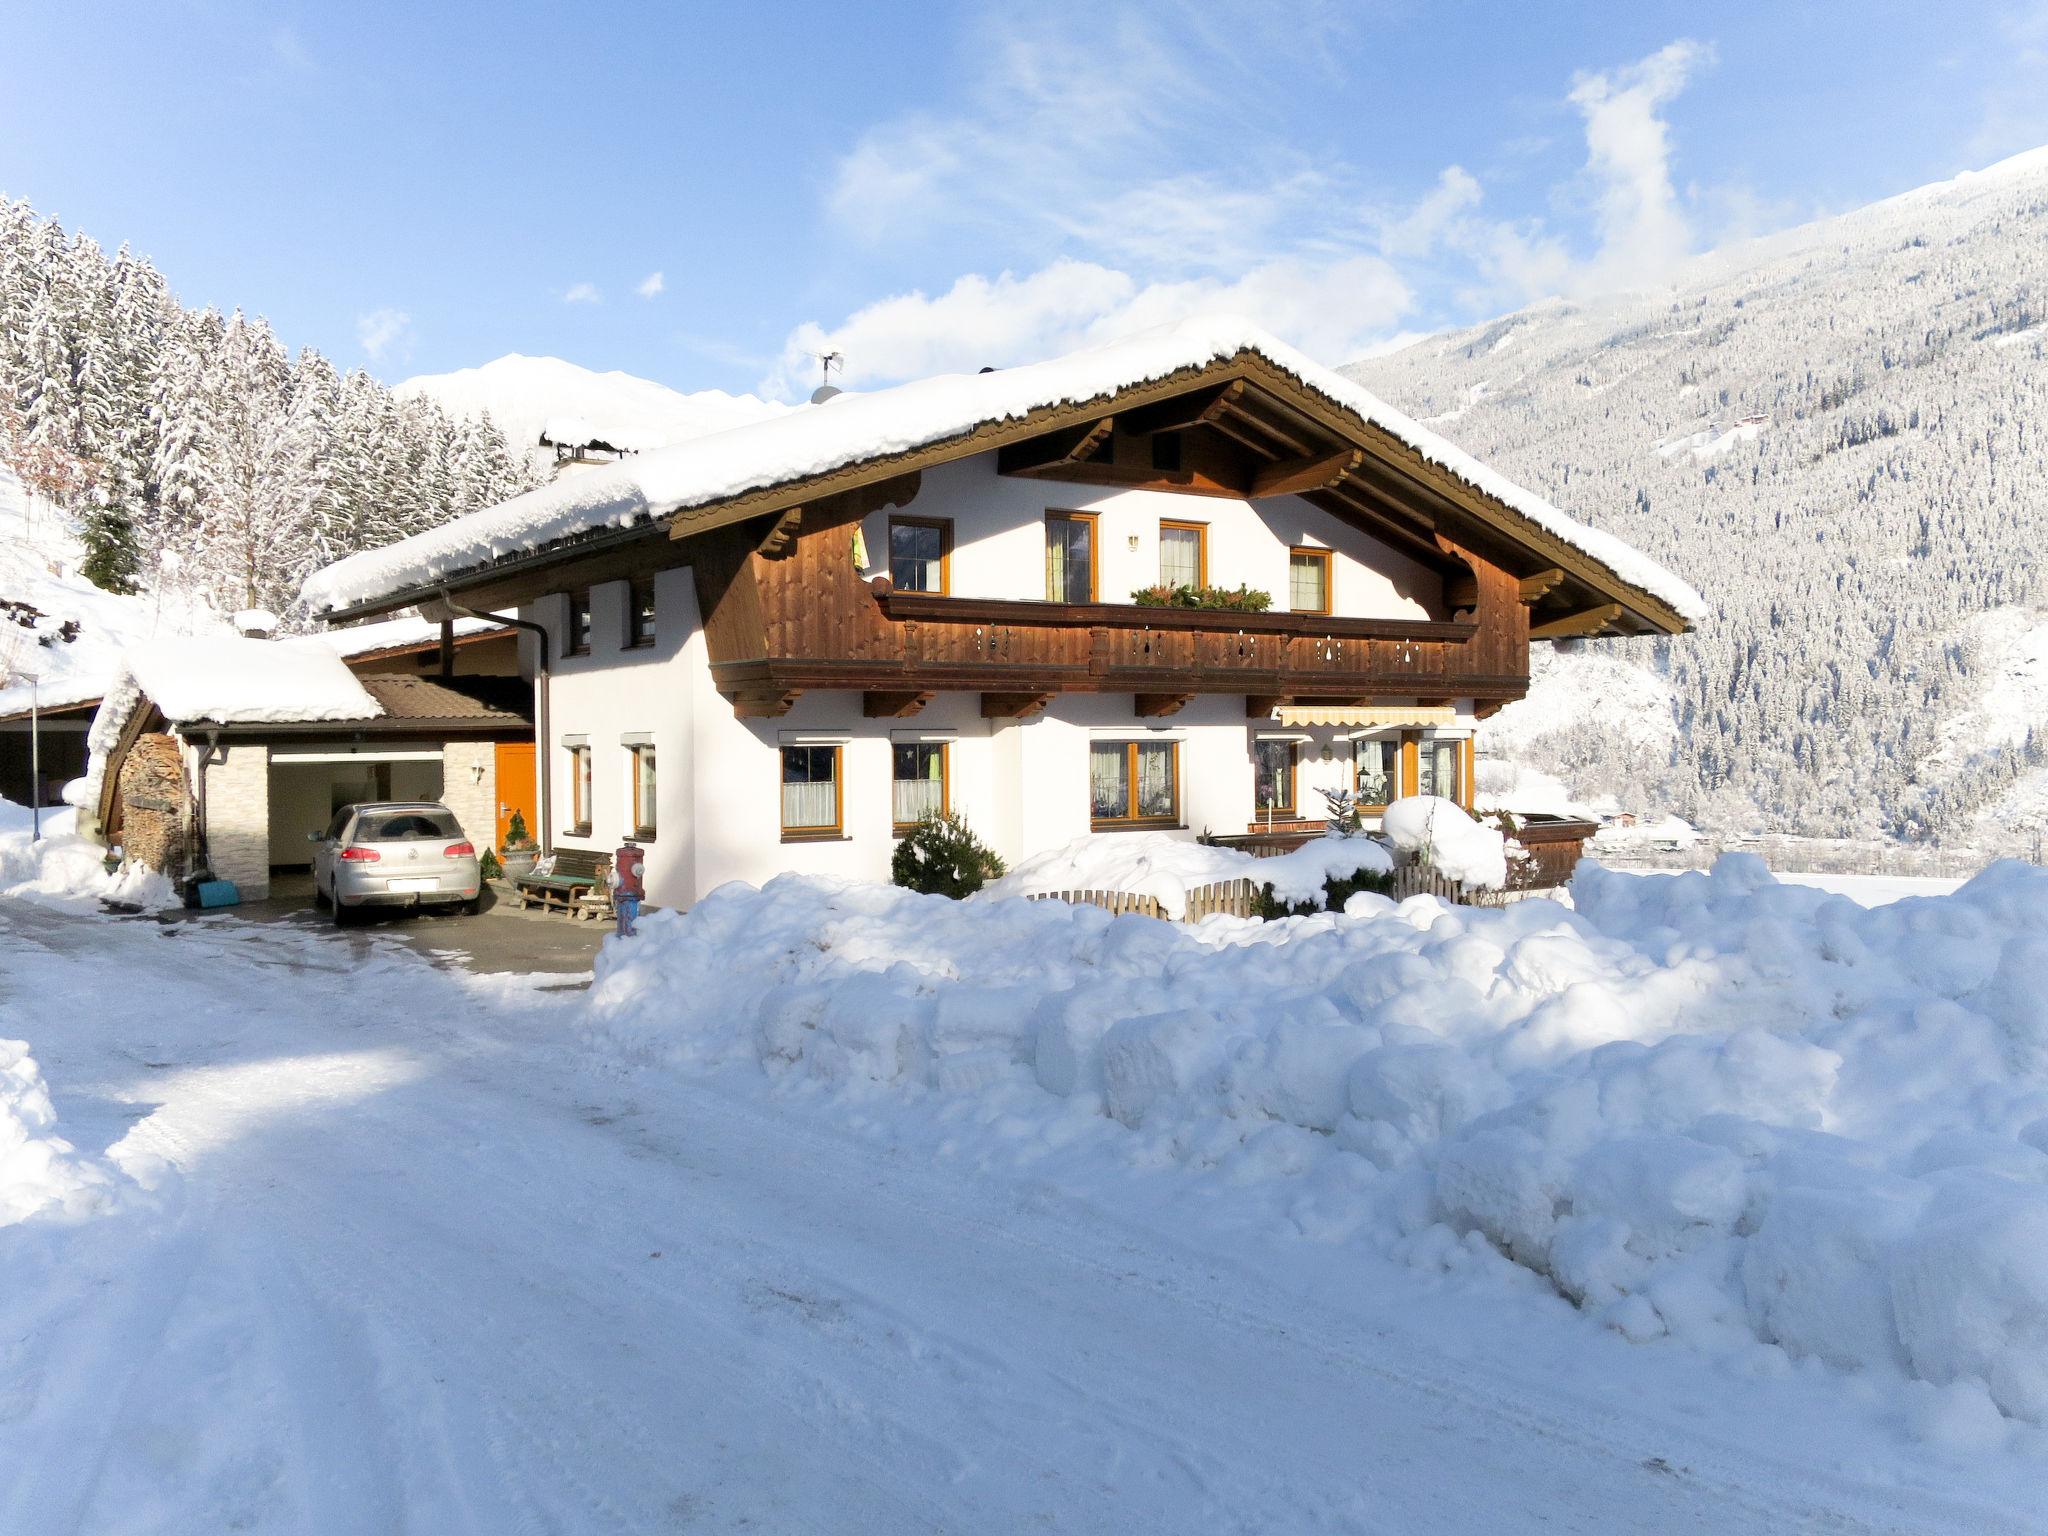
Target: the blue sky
pixel 417 188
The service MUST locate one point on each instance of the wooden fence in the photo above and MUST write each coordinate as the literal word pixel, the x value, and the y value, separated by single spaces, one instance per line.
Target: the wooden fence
pixel 1232 898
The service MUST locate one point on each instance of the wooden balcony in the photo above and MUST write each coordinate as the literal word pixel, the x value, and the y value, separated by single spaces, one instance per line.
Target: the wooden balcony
pixel 918 643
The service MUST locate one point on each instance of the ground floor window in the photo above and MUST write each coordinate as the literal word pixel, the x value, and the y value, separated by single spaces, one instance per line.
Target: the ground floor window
pixel 1377 761
pixel 810 791
pixel 919 787
pixel 1273 777
pixel 643 789
pixel 1133 783
pixel 1441 767
pixel 579 789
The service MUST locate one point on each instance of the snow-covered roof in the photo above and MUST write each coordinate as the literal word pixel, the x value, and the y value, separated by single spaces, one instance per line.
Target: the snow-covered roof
pixel 231 681
pixel 855 428
pixel 396 634
pixel 569 432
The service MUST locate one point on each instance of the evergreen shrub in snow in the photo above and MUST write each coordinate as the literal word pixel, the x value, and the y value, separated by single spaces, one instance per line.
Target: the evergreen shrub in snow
pixel 941 856
pixel 1337 890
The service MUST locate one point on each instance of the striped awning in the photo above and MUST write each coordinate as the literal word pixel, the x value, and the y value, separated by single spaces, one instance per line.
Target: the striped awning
pixel 1374 716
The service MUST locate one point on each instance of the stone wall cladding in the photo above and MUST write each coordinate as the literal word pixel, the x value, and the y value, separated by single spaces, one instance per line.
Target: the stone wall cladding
pixel 238 819
pixel 473 799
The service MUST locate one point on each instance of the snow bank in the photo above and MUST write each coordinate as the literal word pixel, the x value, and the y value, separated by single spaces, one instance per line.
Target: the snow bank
pixel 860 427
pixel 41 1174
pixel 1440 833
pixel 65 870
pixel 1754 1119
pixel 1166 868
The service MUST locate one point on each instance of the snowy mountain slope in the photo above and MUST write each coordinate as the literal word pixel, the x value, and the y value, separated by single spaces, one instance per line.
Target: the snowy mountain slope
pixel 1834 433
pixel 39 567
pixel 522 393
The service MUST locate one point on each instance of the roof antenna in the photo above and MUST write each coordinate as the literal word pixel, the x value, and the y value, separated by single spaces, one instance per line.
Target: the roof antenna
pixel 827 361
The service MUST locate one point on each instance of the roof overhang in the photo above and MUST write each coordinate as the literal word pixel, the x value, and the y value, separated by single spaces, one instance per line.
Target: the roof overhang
pixel 1392 481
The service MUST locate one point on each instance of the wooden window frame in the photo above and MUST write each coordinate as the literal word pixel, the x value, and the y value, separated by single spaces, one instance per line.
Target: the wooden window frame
pixel 945 527
pixel 945 780
pixel 1201 533
pixel 1136 823
pixel 575 636
pixel 1401 767
pixel 835 832
pixel 1411 748
pixel 645 824
pixel 581 781
pixel 636 638
pixel 1094 522
pixel 1314 552
pixel 1291 811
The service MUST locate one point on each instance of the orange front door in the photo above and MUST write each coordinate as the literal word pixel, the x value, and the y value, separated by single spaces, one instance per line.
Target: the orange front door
pixel 515 788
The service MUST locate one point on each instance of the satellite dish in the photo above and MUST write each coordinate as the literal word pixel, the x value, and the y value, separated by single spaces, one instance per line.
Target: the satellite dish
pixel 824 392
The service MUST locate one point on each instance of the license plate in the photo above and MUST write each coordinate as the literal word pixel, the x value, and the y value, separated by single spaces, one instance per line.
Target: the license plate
pixel 411 885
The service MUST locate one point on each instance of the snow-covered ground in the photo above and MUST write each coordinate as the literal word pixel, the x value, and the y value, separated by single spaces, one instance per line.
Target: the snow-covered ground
pixel 385 1247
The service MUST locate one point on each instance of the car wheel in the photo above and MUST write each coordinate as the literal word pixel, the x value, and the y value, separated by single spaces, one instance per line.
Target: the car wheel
pixel 471 907
pixel 319 896
pixel 343 917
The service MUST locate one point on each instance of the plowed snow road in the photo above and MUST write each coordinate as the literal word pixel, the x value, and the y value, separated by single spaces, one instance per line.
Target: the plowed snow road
pixel 417 1268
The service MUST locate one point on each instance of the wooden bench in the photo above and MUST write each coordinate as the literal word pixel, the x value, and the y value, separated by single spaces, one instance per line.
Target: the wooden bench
pixel 575 874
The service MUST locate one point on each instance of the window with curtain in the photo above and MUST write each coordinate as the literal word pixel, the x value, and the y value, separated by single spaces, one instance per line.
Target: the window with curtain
pixel 577 642
pixel 1181 562
pixel 579 788
pixel 917 555
pixel 1437 764
pixel 643 789
pixel 919 787
pixel 1133 782
pixel 1308 580
pixel 1273 776
pixel 1069 558
pixel 640 612
pixel 810 790
pixel 1378 767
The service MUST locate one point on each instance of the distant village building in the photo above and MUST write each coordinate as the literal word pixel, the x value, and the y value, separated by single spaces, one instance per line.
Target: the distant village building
pixel 1180 583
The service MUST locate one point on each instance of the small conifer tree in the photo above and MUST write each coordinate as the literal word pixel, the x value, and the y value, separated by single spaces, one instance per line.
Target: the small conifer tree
pixel 941 856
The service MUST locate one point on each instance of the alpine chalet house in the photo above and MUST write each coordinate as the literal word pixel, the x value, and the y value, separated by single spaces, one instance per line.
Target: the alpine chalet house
pixel 772 648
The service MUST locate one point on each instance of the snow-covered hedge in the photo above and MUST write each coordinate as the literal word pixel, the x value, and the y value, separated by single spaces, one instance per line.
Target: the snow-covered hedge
pixel 1752 1116
pixel 1166 868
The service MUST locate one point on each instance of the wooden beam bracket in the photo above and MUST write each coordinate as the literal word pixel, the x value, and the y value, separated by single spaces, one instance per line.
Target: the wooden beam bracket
pixel 1013 706
pixel 780 538
pixel 1055 450
pixel 879 705
pixel 763 703
pixel 1293 477
pixel 1587 621
pixel 1153 706
pixel 1541 585
pixel 1179 414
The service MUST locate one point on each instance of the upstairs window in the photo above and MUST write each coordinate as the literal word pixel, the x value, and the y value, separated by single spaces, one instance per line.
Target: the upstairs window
pixel 579 789
pixel 1273 776
pixel 1308 580
pixel 1133 784
pixel 577 640
pixel 639 612
pixel 919 787
pixel 1183 555
pixel 1070 557
pixel 920 551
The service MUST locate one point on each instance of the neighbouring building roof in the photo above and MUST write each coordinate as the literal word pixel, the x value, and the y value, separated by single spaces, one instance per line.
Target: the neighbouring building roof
pixel 410 632
pixel 454 702
pixel 853 429
pixel 231 681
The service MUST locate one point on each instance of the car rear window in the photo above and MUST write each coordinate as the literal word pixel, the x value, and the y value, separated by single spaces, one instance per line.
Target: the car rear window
pixel 406 827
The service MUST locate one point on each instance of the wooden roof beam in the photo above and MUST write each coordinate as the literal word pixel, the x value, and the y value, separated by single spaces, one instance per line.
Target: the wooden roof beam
pixel 1055 450
pixel 1539 586
pixel 1572 626
pixel 1294 477
pixel 1202 408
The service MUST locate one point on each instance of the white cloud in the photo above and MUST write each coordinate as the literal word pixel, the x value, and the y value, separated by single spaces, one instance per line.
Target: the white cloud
pixel 384 331
pixel 1644 232
pixel 650 285
pixel 582 293
pixel 1417 232
pixel 1333 309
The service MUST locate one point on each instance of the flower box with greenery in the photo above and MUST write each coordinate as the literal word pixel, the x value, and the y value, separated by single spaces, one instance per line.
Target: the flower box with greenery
pixel 941 856
pixel 519 850
pixel 1238 599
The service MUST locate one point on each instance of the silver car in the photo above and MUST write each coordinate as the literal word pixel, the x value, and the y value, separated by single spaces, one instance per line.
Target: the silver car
pixel 399 853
